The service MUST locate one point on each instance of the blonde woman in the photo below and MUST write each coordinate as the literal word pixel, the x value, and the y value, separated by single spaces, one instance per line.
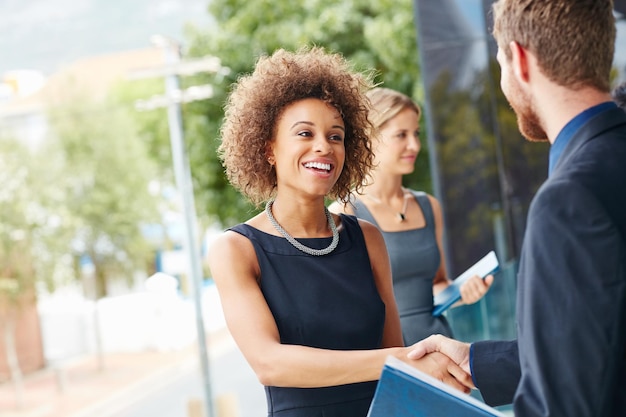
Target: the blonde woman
pixel 411 221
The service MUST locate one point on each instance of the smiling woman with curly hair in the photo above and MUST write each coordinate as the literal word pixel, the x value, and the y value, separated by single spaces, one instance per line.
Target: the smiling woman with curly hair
pixel 258 101
pixel 307 294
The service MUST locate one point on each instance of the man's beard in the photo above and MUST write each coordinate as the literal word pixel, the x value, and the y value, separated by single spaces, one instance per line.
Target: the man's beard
pixel 530 127
pixel 527 119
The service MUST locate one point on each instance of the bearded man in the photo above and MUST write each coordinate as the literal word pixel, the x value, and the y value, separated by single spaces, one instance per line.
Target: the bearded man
pixel 569 358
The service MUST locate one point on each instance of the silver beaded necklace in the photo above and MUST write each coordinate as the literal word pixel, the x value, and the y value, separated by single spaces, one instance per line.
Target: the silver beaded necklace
pixel 298 245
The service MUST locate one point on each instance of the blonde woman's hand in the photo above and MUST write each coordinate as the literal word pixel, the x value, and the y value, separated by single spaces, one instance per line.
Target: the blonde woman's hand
pixel 475 288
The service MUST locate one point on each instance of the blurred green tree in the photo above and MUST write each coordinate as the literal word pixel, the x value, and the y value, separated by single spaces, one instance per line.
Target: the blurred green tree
pixel 107 187
pixel 35 235
pixel 375 35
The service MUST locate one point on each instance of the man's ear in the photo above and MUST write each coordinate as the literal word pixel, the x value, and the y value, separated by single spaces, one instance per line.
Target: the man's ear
pixel 519 62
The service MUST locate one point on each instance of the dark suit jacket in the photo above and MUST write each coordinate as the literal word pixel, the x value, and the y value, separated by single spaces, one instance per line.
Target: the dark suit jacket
pixel 570 355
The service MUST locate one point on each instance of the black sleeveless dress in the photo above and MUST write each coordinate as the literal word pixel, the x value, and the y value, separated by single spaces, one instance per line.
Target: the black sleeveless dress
pixel 328 302
pixel 415 258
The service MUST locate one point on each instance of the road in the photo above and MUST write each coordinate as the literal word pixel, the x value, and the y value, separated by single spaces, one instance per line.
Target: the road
pixel 170 394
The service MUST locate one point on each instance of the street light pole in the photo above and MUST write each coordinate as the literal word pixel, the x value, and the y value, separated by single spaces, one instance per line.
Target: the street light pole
pixel 185 187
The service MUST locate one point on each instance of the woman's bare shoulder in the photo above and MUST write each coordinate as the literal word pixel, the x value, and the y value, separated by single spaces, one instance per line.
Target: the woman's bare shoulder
pixel 339 207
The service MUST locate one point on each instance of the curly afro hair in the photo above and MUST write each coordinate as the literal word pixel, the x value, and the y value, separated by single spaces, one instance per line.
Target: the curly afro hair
pixel 256 103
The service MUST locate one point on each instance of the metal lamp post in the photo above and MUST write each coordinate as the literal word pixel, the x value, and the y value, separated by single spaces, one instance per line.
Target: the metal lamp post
pixel 173 97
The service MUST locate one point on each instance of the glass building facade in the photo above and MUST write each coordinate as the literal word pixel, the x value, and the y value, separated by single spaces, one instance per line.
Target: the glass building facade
pixel 484 173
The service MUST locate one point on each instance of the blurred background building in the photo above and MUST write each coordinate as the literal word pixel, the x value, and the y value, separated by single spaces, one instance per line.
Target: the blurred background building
pixel 483 171
pixel 75 53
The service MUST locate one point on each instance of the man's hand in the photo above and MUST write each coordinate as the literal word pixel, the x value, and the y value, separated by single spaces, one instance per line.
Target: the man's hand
pixel 457 352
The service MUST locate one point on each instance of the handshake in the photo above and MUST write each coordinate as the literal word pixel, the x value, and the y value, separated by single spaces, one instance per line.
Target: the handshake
pixel 444 359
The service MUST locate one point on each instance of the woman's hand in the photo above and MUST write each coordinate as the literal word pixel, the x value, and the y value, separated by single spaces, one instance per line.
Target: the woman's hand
pixel 475 288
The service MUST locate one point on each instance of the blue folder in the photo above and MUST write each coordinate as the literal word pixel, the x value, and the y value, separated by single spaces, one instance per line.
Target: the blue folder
pixel 404 391
pixel 446 298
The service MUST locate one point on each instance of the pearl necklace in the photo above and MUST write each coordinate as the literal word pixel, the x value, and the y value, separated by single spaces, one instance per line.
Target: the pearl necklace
pixel 401 214
pixel 298 245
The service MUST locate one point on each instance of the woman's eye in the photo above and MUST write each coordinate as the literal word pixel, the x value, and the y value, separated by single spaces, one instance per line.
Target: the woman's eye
pixel 336 138
pixel 305 133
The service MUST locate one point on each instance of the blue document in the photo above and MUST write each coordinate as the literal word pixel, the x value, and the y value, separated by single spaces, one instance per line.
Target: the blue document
pixel 446 298
pixel 404 391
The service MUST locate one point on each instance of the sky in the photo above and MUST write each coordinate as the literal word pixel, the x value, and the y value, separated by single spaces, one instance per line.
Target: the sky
pixel 45 35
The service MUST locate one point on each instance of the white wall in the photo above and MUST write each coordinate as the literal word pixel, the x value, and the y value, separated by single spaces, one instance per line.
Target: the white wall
pixel 144 320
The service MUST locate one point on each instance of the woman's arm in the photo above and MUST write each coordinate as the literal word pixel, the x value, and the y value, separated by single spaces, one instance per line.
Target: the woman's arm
pixel 441 281
pixel 381 268
pixel 475 287
pixel 235 269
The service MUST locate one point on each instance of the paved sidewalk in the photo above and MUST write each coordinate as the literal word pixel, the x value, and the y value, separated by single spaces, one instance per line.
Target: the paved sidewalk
pixel 77 387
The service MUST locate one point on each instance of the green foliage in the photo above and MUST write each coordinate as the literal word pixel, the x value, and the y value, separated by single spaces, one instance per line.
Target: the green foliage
pixel 108 170
pixel 34 232
pixel 151 126
pixel 375 35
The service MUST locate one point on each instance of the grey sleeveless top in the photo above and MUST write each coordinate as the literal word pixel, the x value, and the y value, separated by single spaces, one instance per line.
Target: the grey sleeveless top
pixel 415 258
